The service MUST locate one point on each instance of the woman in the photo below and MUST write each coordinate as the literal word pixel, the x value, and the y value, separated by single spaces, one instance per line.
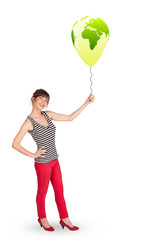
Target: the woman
pixel 39 124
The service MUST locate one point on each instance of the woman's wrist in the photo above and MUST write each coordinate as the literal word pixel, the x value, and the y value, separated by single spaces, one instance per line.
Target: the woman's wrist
pixel 86 103
pixel 32 155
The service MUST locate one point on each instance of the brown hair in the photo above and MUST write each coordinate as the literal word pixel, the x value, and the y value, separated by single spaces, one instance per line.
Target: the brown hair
pixel 40 92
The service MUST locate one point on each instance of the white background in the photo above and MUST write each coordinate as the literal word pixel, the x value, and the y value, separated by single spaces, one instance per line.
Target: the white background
pixel 102 152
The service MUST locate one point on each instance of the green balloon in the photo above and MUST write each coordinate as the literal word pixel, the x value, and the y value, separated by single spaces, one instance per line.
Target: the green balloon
pixel 90 36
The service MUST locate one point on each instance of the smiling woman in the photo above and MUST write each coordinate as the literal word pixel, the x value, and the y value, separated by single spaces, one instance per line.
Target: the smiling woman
pixel 41 93
pixel 39 124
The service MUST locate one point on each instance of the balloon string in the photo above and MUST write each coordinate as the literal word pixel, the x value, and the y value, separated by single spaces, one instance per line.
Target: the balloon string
pixel 91 80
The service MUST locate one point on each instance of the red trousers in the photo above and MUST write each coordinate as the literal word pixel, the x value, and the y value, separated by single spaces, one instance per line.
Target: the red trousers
pixel 46 172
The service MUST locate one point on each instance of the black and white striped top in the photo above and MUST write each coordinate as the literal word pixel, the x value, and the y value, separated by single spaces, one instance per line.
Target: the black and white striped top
pixel 44 136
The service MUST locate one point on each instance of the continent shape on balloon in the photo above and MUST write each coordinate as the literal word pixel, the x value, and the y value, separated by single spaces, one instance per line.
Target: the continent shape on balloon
pixel 90 36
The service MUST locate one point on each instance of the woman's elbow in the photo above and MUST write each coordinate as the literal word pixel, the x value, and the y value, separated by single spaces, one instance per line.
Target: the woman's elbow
pixel 14 145
pixel 70 118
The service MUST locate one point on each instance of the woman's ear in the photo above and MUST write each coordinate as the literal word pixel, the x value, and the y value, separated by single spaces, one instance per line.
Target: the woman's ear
pixel 33 98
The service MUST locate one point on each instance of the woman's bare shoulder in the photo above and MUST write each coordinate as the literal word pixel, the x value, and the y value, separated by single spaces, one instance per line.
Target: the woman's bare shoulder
pixel 27 124
pixel 49 113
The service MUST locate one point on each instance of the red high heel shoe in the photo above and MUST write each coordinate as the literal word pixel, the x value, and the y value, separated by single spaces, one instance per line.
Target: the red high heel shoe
pixel 47 229
pixel 63 224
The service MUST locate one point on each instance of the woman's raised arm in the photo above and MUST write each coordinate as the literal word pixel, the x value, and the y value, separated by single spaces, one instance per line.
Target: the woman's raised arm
pixel 63 117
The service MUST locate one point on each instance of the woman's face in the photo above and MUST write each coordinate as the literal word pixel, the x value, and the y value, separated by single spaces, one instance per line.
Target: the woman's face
pixel 40 102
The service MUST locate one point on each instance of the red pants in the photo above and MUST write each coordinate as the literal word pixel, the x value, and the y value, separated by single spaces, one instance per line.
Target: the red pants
pixel 46 172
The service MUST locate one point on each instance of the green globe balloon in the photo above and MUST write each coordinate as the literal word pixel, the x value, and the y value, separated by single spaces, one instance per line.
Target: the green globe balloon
pixel 90 36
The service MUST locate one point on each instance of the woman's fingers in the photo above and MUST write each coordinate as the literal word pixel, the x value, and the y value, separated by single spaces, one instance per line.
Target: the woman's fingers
pixel 91 96
pixel 43 150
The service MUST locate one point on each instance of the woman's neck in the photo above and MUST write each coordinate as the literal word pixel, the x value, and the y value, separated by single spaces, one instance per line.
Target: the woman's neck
pixel 36 112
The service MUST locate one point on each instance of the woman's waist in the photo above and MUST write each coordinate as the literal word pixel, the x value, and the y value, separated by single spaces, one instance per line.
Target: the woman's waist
pixel 48 156
pixel 46 146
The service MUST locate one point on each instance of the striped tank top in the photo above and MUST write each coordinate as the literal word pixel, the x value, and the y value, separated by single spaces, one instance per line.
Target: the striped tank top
pixel 44 136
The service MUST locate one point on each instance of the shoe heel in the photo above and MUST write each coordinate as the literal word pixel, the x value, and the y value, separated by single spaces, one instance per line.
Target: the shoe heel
pixel 62 226
pixel 40 224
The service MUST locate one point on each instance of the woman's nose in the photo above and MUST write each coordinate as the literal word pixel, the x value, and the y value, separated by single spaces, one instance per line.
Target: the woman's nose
pixel 43 102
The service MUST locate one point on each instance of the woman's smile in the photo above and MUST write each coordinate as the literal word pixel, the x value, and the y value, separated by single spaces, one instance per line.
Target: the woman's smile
pixel 42 105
